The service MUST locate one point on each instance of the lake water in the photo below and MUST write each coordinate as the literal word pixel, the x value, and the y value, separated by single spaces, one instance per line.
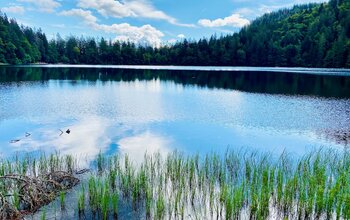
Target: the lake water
pixel 159 109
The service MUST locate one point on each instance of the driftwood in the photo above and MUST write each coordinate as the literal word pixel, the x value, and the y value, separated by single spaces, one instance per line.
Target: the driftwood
pixel 14 141
pixel 32 192
pixel 79 172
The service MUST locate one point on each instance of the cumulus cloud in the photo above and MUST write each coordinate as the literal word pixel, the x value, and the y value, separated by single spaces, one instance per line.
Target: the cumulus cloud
pixel 171 41
pixel 235 20
pixel 44 5
pixel 128 8
pixel 13 9
pixel 107 7
pixel 144 35
pixel 87 16
pixel 181 36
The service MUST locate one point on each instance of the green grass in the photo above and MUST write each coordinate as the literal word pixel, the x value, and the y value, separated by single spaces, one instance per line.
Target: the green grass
pixel 62 199
pixel 81 201
pixel 114 200
pixel 249 182
pixel 229 186
pixel 43 215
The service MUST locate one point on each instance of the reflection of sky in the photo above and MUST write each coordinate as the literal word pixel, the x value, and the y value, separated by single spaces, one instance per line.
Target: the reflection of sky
pixel 87 137
pixel 140 116
pixel 146 143
pixel 91 135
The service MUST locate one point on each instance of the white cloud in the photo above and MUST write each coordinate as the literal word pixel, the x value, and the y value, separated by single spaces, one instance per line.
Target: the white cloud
pixel 235 20
pixel 171 41
pixel 13 9
pixel 144 35
pixel 181 36
pixel 107 7
pixel 128 8
pixel 87 16
pixel 44 5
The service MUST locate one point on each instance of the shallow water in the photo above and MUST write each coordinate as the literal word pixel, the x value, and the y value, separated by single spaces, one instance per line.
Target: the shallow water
pixel 132 111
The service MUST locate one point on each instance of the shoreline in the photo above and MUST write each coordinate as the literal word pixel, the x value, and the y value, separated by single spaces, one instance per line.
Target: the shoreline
pixel 297 70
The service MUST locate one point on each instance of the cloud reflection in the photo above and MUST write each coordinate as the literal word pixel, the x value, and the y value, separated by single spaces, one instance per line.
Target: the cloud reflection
pixel 147 142
pixel 87 138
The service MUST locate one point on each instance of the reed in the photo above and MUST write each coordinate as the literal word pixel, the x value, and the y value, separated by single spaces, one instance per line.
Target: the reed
pixel 307 187
pixel 43 214
pixel 81 201
pixel 160 206
pixel 16 200
pixel 62 199
pixel 101 160
pixel 115 200
pixel 238 183
pixel 105 200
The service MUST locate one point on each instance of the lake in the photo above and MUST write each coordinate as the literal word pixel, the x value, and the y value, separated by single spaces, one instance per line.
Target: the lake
pixel 161 109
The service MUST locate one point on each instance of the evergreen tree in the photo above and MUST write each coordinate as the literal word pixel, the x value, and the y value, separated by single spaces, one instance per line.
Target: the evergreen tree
pixel 311 35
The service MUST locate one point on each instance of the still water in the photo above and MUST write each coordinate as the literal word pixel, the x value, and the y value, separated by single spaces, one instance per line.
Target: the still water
pixel 138 110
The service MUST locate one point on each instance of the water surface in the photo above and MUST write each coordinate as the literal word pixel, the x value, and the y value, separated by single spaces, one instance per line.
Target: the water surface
pixel 111 109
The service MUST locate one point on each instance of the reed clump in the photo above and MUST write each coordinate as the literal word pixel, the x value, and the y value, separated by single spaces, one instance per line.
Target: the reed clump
pixel 234 185
pixel 231 186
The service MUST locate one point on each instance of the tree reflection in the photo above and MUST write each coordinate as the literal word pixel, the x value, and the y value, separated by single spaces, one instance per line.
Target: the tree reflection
pixel 249 81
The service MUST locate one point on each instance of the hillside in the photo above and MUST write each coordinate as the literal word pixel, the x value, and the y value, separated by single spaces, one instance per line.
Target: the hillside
pixel 313 35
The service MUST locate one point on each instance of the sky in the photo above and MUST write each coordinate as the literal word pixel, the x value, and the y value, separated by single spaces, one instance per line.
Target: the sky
pixel 152 22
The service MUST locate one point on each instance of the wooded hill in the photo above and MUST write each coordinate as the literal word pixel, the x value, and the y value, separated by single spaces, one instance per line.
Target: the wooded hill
pixel 313 35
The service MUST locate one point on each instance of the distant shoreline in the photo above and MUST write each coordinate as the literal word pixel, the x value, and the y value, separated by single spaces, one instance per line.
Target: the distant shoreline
pixel 301 70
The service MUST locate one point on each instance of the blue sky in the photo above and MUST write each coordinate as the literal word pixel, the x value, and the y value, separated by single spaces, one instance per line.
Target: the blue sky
pixel 153 22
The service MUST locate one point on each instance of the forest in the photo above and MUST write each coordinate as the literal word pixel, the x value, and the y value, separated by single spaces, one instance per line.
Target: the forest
pixel 312 35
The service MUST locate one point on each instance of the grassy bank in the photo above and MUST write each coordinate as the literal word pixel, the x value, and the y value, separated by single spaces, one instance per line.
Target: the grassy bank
pixel 238 184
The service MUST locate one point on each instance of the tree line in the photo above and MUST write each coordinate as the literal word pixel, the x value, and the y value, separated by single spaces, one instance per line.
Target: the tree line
pixel 312 35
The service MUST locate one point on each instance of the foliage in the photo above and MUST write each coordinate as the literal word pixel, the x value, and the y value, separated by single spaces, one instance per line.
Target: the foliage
pixel 313 35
